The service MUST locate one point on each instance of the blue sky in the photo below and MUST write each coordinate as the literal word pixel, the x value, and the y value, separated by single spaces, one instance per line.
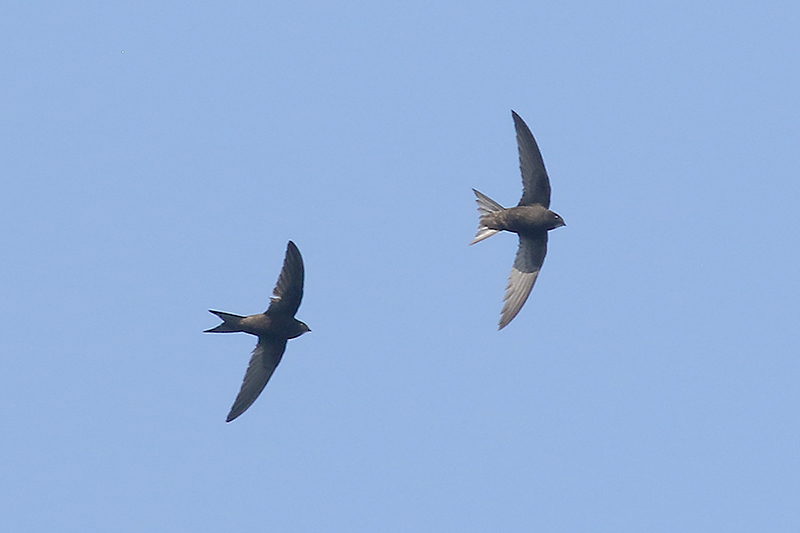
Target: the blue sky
pixel 156 158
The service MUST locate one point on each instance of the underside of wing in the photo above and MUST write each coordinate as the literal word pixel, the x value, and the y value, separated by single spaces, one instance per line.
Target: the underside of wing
pixel 265 359
pixel 288 292
pixel 535 183
pixel 530 257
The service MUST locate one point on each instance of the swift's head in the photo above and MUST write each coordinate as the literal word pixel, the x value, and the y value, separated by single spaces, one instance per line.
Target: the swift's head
pixel 555 220
pixel 299 329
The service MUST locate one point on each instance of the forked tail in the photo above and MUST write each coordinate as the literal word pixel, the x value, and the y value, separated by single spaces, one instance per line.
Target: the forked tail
pixel 486 206
pixel 230 323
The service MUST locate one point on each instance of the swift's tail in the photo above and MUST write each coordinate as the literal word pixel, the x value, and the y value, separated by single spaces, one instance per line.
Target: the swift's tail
pixel 486 206
pixel 230 323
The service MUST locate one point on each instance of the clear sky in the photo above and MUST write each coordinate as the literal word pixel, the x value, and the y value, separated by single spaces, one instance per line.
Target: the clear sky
pixel 156 157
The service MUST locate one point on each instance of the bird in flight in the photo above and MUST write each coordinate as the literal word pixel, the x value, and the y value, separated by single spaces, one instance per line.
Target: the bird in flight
pixel 531 219
pixel 273 328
